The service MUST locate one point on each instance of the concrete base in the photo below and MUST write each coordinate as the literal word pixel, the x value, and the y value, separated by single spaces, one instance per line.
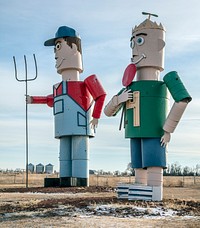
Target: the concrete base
pixel 84 182
pixel 66 182
pixel 51 182
pixel 73 182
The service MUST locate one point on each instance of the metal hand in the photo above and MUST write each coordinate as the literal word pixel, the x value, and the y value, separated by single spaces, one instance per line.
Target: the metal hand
pixel 165 139
pixel 28 99
pixel 94 123
pixel 125 96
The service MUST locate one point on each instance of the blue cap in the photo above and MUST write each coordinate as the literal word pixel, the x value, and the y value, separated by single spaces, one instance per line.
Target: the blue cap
pixel 63 31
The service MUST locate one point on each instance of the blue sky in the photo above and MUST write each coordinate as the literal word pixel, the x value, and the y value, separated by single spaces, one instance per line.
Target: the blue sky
pixel 105 28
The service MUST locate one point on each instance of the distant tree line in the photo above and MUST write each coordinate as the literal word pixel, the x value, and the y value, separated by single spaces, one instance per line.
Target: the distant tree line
pixel 177 170
pixel 173 169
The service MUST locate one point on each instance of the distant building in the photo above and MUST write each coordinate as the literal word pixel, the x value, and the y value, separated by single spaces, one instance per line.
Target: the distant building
pixel 31 168
pixel 49 168
pixel 39 168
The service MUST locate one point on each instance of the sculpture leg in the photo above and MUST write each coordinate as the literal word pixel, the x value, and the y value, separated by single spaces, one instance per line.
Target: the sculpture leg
pixel 136 161
pixel 65 161
pixel 154 157
pixel 80 160
pixel 141 176
pixel 146 153
pixel 155 179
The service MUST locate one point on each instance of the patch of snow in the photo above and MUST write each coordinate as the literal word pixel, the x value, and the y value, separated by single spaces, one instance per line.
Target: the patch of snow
pixel 46 193
pixel 100 210
pixel 133 211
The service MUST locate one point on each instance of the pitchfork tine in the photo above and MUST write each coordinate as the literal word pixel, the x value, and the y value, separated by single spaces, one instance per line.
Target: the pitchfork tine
pixel 15 68
pixel 26 71
pixel 35 67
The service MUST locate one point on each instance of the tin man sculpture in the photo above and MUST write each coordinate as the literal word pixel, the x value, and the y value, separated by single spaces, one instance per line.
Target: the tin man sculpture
pixel 145 108
pixel 72 101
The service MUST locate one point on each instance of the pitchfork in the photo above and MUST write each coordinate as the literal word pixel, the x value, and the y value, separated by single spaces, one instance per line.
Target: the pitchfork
pixel 26 80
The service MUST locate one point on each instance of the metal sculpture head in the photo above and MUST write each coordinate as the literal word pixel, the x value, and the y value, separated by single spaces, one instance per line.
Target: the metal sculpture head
pixel 147 43
pixel 68 53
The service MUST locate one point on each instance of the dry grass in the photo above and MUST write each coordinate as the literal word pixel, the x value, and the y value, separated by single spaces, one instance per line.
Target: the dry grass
pixel 45 216
pixel 102 222
pixel 169 181
pixel 175 198
pixel 37 180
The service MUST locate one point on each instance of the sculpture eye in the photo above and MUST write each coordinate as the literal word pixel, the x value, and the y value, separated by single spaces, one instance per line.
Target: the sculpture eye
pixel 140 40
pixel 58 46
pixel 132 44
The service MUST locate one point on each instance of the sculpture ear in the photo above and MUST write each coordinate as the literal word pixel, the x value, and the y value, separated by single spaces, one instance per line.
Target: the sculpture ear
pixel 74 48
pixel 161 44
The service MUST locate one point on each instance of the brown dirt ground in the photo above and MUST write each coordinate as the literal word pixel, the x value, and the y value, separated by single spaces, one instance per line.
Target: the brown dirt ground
pixel 85 207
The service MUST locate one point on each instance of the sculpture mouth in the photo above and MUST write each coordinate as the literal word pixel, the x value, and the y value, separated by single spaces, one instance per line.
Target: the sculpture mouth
pixel 143 56
pixel 59 63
